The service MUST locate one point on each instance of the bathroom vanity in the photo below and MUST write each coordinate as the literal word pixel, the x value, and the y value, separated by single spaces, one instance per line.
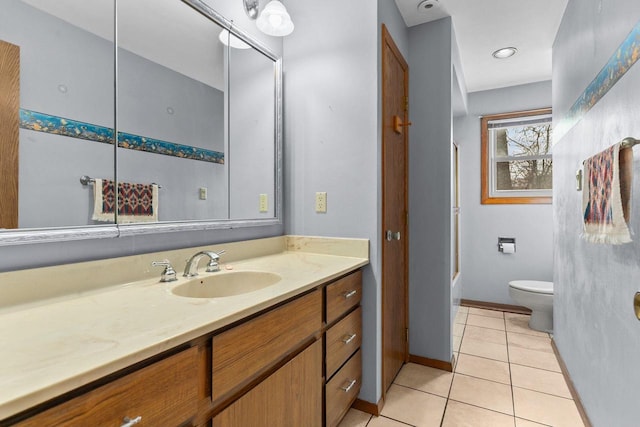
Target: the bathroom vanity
pixel 136 353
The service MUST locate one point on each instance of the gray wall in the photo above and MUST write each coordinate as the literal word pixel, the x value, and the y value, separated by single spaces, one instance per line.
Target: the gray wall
pixel 485 271
pixel 145 91
pixel 331 135
pixel 53 53
pixel 251 155
pixel 430 54
pixel 595 329
pixel 29 256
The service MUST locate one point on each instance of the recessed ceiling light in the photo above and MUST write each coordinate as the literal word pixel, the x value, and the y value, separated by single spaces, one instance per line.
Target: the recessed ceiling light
pixel 505 52
pixel 425 5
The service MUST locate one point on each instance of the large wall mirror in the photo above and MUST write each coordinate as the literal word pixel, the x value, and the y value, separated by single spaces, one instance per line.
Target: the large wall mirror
pixel 174 126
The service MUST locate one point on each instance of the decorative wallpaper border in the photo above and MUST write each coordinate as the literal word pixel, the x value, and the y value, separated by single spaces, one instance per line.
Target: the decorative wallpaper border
pixel 618 64
pixel 55 125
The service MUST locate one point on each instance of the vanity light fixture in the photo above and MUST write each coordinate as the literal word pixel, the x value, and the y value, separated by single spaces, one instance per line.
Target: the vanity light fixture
pixel 504 53
pixel 275 20
pixel 228 39
pixel 251 8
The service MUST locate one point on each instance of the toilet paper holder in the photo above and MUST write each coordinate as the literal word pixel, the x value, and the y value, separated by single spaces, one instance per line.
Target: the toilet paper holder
pixel 502 240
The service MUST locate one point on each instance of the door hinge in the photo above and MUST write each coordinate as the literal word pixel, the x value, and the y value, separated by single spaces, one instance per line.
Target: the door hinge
pixel 406 103
pixel 407 334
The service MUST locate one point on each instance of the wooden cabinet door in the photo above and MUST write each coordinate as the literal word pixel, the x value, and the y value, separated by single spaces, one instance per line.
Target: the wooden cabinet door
pixel 162 394
pixel 291 396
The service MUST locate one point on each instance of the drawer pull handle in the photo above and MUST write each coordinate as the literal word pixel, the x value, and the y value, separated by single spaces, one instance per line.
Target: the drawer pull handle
pixel 348 388
pixel 349 294
pixel 128 422
pixel 348 339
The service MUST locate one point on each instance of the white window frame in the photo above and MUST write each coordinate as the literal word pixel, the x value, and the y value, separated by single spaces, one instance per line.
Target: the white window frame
pixel 490 194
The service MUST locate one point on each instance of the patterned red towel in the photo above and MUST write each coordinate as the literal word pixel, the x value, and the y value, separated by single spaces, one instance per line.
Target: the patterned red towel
pixel 136 202
pixel 606 194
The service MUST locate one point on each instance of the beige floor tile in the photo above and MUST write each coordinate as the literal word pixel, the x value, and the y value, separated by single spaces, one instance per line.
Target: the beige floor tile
pixel 424 378
pixel 413 407
pixel 485 334
pixel 457 341
pixel 539 380
pixel 520 323
pixel 485 322
pixel 484 349
pixel 456 356
pixel 482 393
pixel 461 317
pixel 526 423
pixel 487 369
pixel 545 409
pixel 533 358
pixel 530 342
pixel 385 422
pixel 460 414
pixel 463 309
pixel 487 313
pixel 355 418
pixel 458 329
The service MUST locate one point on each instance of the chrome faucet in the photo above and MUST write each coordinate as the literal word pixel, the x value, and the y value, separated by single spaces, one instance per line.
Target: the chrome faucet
pixel 169 274
pixel 191 269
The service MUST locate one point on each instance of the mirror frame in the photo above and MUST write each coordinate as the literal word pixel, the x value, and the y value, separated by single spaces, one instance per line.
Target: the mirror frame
pixel 64 234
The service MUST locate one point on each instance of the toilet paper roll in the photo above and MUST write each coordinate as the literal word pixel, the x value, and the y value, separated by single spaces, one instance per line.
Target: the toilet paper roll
pixel 508 248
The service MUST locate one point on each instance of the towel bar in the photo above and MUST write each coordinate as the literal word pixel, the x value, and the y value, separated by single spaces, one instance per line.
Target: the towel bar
pixel 628 142
pixel 86 180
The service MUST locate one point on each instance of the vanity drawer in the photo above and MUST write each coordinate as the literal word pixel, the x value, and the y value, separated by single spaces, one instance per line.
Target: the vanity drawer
pixel 251 348
pixel 164 393
pixel 342 295
pixel 343 389
pixel 343 339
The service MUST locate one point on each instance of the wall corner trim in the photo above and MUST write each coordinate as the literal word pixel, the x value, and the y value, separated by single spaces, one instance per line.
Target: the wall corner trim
pixel 368 407
pixel 432 363
pixel 572 389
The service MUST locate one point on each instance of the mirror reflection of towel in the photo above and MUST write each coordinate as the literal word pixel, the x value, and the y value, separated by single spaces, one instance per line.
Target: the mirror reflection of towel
pixel 606 196
pixel 136 202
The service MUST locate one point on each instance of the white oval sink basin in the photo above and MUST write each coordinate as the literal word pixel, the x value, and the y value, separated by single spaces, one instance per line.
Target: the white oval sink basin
pixel 226 284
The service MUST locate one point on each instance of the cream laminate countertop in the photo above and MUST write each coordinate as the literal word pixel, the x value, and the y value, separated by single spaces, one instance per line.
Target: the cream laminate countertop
pixel 51 348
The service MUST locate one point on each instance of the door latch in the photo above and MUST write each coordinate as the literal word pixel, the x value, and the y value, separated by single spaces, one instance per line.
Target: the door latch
pixel 390 235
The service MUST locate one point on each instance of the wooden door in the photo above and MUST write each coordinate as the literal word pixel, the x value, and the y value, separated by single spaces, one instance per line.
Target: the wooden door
pixel 291 396
pixel 9 133
pixel 395 140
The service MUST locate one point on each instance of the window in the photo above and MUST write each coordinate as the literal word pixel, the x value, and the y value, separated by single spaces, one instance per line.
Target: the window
pixel 516 157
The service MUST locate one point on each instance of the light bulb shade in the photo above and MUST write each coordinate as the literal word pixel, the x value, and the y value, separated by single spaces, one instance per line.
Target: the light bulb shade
pixel 275 20
pixel 229 39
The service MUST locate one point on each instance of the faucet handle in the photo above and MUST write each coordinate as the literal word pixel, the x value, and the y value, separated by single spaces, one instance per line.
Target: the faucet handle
pixel 169 274
pixel 213 265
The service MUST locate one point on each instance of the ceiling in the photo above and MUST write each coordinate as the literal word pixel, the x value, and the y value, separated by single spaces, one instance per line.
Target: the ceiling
pixel 173 35
pixel 482 27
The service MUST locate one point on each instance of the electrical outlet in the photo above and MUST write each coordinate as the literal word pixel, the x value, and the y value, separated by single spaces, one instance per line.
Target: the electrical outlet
pixel 264 203
pixel 203 193
pixel 321 202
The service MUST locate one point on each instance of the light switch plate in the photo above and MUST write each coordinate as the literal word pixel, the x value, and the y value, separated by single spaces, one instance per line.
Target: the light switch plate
pixel 264 203
pixel 321 202
pixel 203 193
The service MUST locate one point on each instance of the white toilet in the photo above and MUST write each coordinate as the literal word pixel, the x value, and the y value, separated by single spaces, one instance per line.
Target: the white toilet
pixel 538 296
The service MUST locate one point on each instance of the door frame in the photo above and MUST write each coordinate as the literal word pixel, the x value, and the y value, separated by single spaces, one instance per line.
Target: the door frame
pixel 387 40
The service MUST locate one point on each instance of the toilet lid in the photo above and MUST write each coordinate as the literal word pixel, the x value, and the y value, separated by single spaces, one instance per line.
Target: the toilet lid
pixel 533 286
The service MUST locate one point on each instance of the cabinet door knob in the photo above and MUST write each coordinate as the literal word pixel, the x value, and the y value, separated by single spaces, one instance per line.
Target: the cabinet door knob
pixel 348 387
pixel 349 294
pixel 348 339
pixel 128 422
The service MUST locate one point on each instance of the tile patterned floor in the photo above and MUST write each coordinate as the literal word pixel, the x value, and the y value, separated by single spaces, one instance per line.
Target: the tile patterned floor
pixel 505 375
